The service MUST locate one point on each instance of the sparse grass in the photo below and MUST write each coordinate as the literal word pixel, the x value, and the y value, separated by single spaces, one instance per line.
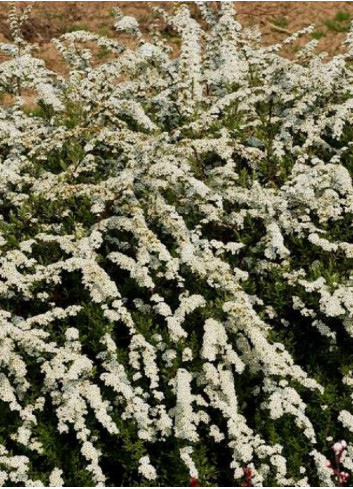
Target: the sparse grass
pixel 111 12
pixel 318 35
pixel 340 22
pixel 77 27
pixel 342 16
pixel 103 52
pixel 104 29
pixel 280 21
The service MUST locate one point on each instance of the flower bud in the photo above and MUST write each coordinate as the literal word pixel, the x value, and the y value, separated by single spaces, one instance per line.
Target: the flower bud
pixel 337 447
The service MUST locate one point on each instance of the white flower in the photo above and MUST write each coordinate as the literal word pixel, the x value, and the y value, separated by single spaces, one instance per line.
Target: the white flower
pixel 146 469
pixel 55 478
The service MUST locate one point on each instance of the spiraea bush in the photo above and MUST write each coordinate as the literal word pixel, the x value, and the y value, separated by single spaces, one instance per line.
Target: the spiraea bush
pixel 176 285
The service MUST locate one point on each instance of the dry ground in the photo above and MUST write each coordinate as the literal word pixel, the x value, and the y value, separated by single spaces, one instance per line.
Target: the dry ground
pixel 276 20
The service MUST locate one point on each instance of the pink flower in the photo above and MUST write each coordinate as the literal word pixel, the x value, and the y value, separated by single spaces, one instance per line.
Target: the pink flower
pixel 340 476
pixel 337 447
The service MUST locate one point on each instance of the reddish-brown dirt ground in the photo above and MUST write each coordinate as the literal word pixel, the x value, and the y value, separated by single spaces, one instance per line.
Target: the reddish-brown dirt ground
pixel 276 20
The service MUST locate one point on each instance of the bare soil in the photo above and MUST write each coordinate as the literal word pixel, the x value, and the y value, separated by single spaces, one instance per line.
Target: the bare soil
pixel 276 21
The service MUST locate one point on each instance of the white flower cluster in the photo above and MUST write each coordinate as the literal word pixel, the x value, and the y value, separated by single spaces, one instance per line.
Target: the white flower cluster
pixel 146 469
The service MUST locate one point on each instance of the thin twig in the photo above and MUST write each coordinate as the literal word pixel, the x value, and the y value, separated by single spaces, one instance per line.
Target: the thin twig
pixel 279 29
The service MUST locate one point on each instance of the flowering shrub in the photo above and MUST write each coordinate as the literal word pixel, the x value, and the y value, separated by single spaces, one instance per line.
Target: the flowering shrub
pixel 176 237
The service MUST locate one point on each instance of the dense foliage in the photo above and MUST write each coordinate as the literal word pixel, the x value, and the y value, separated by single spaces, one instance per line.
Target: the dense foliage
pixel 176 293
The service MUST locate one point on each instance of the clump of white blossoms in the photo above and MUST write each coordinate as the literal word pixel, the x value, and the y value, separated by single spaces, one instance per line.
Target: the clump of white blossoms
pixel 176 246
